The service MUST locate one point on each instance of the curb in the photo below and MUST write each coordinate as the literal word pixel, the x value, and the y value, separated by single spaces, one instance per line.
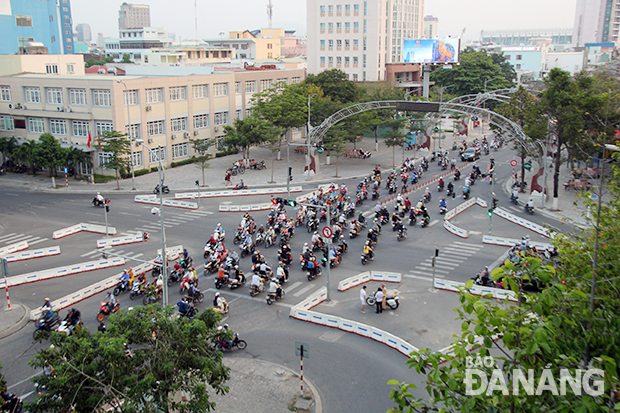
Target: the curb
pixel 19 325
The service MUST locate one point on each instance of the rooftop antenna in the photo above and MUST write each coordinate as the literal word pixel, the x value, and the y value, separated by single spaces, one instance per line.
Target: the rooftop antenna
pixel 270 13
pixel 196 20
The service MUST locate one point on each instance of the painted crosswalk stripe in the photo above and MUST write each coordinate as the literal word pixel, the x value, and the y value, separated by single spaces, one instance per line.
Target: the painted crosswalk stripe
pixel 137 255
pixel 426 278
pixel 171 223
pixel 433 223
pixel 2 238
pixel 293 286
pixel 425 274
pixel 90 254
pixel 16 238
pixel 466 245
pixel 459 252
pixel 30 243
pixel 441 259
pixel 303 290
pixel 428 264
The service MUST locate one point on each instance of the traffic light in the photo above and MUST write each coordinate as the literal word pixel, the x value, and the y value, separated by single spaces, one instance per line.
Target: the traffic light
pixel 277 201
pixel 325 254
pixel 292 203
pixel 490 212
pixel 197 183
pixel 107 206
pixel 290 173
pixel 145 236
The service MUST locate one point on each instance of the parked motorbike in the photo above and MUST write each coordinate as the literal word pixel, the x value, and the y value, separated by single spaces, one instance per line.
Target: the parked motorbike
pixel 392 302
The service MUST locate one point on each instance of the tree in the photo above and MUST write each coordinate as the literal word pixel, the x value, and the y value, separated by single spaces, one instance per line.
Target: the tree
pixel 126 58
pixel 522 109
pixel 118 146
pixel 394 135
pixel 469 77
pixel 202 148
pixel 24 153
pixel 48 153
pixel 7 146
pixel 75 157
pixel 507 69
pixel 569 326
pixel 334 142
pixel 165 366
pixel 251 131
pixel 336 85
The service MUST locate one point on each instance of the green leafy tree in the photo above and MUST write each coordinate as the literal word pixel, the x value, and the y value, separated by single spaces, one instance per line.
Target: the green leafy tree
pixel 2 380
pixel 126 58
pixel 202 154
pixel 94 62
pixel 469 77
pixel 336 85
pixel 507 69
pixel 25 153
pixel 394 135
pixel 334 142
pixel 7 146
pixel 75 157
pixel 118 145
pixel 166 366
pixel 49 154
pixel 251 131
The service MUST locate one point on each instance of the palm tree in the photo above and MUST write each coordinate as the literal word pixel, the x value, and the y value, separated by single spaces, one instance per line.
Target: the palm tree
pixel 75 157
pixel 7 147
pixel 25 154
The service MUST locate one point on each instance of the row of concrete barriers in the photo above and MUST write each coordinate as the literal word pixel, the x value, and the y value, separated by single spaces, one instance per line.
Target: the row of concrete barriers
pixel 30 254
pixel 510 242
pixel 71 299
pixel 74 229
pixel 539 229
pixel 450 227
pixel 497 293
pixel 239 192
pixel 112 242
pixel 18 246
pixel 61 271
pixel 361 278
pixel 154 200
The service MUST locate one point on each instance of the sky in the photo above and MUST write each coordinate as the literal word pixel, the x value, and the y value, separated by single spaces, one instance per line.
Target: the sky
pixel 217 16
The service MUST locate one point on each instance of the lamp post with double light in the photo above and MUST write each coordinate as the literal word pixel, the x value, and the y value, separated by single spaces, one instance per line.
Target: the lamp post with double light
pixel 133 177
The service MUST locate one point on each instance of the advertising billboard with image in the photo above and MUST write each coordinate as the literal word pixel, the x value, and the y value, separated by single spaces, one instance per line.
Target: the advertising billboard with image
pixel 431 50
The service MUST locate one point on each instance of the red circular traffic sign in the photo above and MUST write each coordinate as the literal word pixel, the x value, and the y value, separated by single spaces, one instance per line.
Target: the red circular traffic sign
pixel 327 232
pixel 513 162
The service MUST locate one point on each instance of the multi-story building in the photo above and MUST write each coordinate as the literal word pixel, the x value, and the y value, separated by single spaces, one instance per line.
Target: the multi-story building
pixel 46 22
pixel 143 38
pixel 596 21
pixel 83 33
pixel 431 27
pixel 526 37
pixel 360 37
pixel 165 111
pixel 134 16
pixel 51 64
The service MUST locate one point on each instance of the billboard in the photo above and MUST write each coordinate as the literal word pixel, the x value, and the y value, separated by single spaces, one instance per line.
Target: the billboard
pixel 431 50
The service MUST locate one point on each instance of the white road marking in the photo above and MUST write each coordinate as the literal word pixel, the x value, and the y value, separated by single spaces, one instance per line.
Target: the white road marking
pixel 30 243
pixel 2 238
pixel 16 238
pixel 433 223
pixel 424 274
pixel 303 290
pixel 447 267
pixel 293 286
pixel 89 254
pixel 418 277
pixel 128 213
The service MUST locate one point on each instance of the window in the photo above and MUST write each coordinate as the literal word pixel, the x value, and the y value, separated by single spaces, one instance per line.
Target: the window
pixel 77 97
pixel 356 26
pixel 518 66
pixel 32 95
pixel 347 8
pixel 338 27
pixel 180 150
pixel 330 9
pixel 322 44
pixel 137 159
pixel 282 81
pixel 58 127
pixel 101 97
pixel 7 123
pixel 220 118
pixel 295 79
pixel 153 95
pixel 330 60
pixel 338 60
pixel 54 96
pixel 265 84
pixel 338 44
pixel 80 128
pixel 51 69
pixel 269 46
pixel 330 27
pixel 339 8
pixel 346 61
pixel 104 158
pixel 178 124
pixel 238 114
pixel 85 169
pixel 322 60
pixel 519 57
pixel 248 112
pixel 322 27
pixel 237 88
pixel 250 86
pixel 220 89
pixel 157 152
pixel 347 43
pixel 331 44
pixel 355 60
pixel 322 9
pixel 356 43
pixel 200 91
pixel 35 125
pixel 101 127
pixel 201 121
pixel 133 131
pixel 23 21
pixel 155 128
pixel 347 27
pixel 130 97
pixel 5 93
pixel 356 8
pixel 178 93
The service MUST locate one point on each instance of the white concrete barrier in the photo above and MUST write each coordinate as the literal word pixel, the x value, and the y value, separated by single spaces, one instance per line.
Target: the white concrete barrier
pixel 172 252
pixel 30 254
pixel 111 242
pixel 61 271
pixel 539 229
pixel 354 281
pixel 510 242
pixel 242 208
pixel 74 229
pixel 242 192
pixel 454 229
pixel 481 202
pixel 18 246
pixel 496 293
pixel 391 277
pixel 448 285
pixel 141 199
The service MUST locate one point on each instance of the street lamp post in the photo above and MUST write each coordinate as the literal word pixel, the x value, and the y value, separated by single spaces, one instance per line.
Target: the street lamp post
pixel 308 136
pixel 164 261
pixel 133 177
pixel 484 105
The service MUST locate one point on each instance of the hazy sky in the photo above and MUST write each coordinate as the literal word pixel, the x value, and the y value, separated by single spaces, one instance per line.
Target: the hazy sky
pixel 215 16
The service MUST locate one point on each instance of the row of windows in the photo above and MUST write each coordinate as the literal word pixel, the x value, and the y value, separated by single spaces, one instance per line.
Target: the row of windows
pixel 339 43
pixel 347 27
pixel 55 96
pixel 347 9
pixel 339 60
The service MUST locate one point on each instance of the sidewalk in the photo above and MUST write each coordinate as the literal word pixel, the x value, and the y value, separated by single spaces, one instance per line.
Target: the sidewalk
pixel 13 320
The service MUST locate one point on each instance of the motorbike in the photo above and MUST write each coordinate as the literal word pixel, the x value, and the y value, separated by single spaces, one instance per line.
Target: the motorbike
pixel 450 192
pixel 255 290
pixel 45 327
pixel 260 238
pixel 211 267
pixel 236 342
pixel 258 165
pixel 164 189
pixel 478 280
pixel 240 186
pixel 151 296
pixel 121 287
pixel 401 234
pixel 365 258
pixel 246 249
pixel 13 404
pixel 98 203
pixel 392 302
pixel 220 282
pixel 457 175
pixel 466 192
pixel 427 198
pixel 136 291
pixel 198 297
pixel 312 224
pixel 174 277
pixel 185 283
pixel 312 275
pixel 375 195
pixel 425 222
pixel 156 270
pixel 235 282
pixel 442 210
pixel 104 310
pixel 186 263
pixel 395 225
pixel 529 209
pixel 440 187
pixel 412 219
pixel 269 241
pixel 271 297
pixel 514 199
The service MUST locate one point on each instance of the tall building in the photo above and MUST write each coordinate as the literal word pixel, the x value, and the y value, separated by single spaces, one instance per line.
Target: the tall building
pixel 44 23
pixel 134 16
pixel 83 33
pixel 431 24
pixel 596 21
pixel 360 37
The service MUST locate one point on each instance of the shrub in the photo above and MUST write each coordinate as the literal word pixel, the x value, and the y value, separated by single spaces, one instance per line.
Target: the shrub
pixel 183 162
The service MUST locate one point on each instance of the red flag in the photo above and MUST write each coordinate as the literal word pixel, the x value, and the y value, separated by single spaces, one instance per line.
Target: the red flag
pixel 89 139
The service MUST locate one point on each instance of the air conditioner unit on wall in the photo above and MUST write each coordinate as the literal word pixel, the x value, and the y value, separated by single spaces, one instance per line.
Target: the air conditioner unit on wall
pixel 148 108
pixel 186 135
pixel 173 136
pixel 216 128
pixel 196 133
pixel 150 140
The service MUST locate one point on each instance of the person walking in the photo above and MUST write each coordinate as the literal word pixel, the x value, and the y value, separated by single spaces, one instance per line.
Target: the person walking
pixel 363 297
pixel 379 300
pixel 227 177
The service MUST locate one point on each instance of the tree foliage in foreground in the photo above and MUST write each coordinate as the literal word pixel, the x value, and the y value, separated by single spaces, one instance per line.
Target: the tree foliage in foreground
pixel 172 362
pixel 568 326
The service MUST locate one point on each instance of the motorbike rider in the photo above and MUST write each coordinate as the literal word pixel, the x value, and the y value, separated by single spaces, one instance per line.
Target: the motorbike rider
pixel 457 174
pixel 484 276
pixel 124 280
pixel 256 258
pixel 257 282
pixel 427 193
pixel 515 195
pixel 281 272
pixel 313 267
pixel 73 318
pixel 274 288
pixel 99 198
pixel 441 183
pixel 219 304
pixel 368 251
pixel 264 268
pixel 443 204
pixel 47 304
pixel 110 300
pixel 184 307
pixel 317 240
pixel 395 219
pixel 450 188
pixel 530 204
pixel 361 219
pixel 342 244
pixel 407 204
pixel 372 236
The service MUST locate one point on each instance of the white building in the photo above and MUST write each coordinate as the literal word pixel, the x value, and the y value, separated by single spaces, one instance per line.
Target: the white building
pixel 431 27
pixel 132 16
pixel 360 37
pixel 596 21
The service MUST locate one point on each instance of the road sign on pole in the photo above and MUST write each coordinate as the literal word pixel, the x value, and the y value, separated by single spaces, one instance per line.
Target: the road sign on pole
pixel 513 162
pixel 301 350
pixel 327 232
